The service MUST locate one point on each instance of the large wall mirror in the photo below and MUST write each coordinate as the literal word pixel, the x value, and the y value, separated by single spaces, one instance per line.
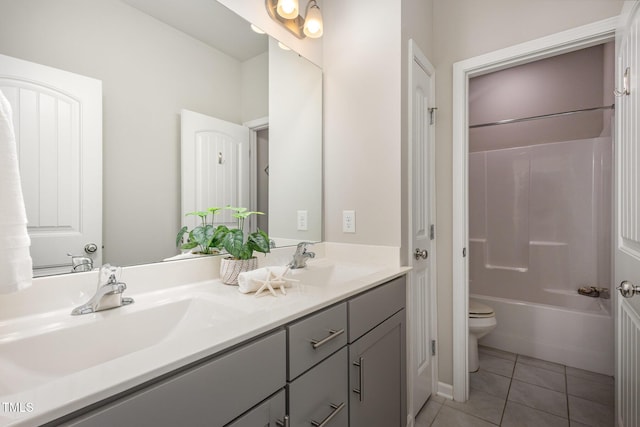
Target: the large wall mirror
pixel 152 61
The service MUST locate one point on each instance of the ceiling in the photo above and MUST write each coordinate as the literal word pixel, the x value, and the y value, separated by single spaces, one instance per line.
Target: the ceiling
pixel 209 22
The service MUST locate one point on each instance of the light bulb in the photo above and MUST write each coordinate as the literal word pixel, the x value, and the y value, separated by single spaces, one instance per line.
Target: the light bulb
pixel 313 26
pixel 288 9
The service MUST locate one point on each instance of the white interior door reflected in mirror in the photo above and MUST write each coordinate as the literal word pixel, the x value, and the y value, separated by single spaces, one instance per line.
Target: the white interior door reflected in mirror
pixel 57 117
pixel 215 166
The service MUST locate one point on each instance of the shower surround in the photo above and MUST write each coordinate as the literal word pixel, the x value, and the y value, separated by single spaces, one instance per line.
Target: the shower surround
pixel 540 228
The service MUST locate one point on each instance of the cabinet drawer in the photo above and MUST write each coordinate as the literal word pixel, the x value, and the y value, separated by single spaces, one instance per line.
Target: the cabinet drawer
pixel 269 413
pixel 211 394
pixel 312 339
pixel 375 306
pixel 321 394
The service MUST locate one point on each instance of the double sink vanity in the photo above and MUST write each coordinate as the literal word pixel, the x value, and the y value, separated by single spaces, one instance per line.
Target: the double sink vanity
pixel 193 351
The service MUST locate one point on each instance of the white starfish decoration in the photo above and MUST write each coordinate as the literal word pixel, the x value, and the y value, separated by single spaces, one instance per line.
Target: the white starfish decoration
pixel 274 279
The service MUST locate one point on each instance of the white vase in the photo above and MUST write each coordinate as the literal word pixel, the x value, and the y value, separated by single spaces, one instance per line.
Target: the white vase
pixel 230 268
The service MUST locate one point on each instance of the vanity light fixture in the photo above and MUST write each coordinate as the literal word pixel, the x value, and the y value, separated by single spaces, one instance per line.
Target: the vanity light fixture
pixel 310 26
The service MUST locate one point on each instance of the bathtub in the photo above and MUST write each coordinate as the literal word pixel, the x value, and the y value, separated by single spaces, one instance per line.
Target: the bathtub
pixel 580 334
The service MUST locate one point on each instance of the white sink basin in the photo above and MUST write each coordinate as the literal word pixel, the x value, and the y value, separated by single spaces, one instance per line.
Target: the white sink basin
pixel 61 344
pixel 325 272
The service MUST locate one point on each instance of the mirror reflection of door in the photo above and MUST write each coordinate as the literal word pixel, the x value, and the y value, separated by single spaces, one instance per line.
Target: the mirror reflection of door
pixel 215 166
pixel 57 117
pixel 262 184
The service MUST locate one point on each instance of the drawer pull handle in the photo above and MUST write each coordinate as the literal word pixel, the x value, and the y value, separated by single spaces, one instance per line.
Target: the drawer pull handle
pixel 336 409
pixel 360 390
pixel 332 334
pixel 284 422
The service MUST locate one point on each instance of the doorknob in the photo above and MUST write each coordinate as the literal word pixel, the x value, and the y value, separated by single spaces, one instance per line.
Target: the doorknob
pixel 90 248
pixel 421 254
pixel 628 289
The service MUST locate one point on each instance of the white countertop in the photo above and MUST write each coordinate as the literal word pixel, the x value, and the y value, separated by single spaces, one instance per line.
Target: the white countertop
pixel 44 388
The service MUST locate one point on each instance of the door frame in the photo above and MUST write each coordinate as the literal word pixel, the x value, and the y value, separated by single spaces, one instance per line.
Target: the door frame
pixel 555 44
pixel 254 126
pixel 416 54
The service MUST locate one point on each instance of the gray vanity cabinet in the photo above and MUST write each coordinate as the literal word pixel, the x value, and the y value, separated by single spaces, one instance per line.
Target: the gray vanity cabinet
pixel 363 384
pixel 340 366
pixel 377 357
pixel 212 393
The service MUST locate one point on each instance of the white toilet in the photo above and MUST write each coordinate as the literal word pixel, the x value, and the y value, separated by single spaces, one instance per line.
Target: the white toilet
pixel 482 320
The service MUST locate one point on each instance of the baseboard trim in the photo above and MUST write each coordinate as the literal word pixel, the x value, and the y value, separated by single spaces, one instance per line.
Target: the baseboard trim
pixel 445 390
pixel 410 421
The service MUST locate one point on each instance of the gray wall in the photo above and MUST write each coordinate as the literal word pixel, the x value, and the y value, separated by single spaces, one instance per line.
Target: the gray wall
pixel 362 121
pixel 566 82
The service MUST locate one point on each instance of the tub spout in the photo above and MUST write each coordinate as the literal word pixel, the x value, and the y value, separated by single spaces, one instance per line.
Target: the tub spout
pixel 594 292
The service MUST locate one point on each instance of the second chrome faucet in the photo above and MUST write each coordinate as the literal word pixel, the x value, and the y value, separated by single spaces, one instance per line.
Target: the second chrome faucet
pixel 301 255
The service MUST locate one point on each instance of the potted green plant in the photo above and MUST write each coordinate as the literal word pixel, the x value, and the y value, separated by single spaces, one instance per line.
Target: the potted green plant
pixel 202 236
pixel 239 248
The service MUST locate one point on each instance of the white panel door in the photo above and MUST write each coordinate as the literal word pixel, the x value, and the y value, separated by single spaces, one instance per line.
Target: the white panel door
pixel 627 248
pixel 421 292
pixel 58 123
pixel 215 166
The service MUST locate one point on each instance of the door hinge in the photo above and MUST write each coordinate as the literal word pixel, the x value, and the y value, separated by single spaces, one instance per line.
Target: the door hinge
pixel 433 347
pixel 432 232
pixel 464 252
pixel 432 115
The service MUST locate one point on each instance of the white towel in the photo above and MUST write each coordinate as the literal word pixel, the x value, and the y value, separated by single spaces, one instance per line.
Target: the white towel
pixel 247 280
pixel 15 260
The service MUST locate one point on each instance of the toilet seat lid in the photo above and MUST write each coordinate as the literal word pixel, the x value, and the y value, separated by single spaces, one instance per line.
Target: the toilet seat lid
pixel 478 309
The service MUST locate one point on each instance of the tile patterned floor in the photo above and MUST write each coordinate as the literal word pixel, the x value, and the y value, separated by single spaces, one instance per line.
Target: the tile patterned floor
pixel 513 390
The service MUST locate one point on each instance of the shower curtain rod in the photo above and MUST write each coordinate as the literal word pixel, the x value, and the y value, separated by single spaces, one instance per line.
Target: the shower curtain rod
pixel 544 116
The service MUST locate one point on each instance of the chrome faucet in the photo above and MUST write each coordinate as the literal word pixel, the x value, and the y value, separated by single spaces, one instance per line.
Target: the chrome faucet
pixel 108 295
pixel 301 255
pixel 80 263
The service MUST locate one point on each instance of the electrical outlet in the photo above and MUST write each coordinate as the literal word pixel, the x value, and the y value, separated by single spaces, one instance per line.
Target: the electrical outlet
pixel 348 221
pixel 303 224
